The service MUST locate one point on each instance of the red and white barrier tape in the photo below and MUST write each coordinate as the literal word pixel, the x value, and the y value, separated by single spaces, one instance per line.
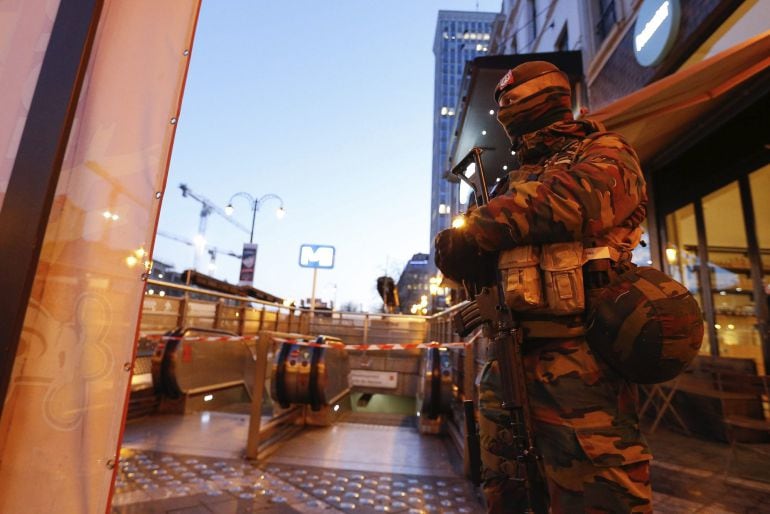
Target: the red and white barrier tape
pixel 375 346
pixel 157 337
pixel 363 347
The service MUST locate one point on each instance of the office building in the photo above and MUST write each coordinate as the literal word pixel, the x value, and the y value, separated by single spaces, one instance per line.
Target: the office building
pixel 460 37
pixel 413 282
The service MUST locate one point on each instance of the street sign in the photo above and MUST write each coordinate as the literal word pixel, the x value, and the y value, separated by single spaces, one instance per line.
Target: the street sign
pixel 655 30
pixel 316 256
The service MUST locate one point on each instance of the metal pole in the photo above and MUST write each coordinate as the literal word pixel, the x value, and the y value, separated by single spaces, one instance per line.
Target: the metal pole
pixel 312 295
pixel 253 219
pixel 264 341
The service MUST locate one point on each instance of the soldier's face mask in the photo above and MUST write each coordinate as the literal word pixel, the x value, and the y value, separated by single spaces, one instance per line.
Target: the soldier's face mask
pixel 533 105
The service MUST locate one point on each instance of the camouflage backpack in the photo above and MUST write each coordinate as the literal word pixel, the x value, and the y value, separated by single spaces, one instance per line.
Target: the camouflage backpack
pixel 645 325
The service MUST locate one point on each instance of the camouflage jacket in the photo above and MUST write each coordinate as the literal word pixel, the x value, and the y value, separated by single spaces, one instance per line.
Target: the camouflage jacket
pixel 576 183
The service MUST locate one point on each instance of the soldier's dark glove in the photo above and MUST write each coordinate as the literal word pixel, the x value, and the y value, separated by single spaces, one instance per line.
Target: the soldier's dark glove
pixel 459 258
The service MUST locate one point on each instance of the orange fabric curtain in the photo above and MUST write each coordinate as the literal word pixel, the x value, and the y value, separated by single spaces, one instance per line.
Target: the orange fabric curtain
pixel 25 27
pixel 64 413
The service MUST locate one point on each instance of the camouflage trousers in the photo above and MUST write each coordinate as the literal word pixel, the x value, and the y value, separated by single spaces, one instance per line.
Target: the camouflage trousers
pixel 594 458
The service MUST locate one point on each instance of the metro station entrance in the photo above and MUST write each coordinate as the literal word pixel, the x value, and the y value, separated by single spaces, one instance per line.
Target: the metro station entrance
pixel 227 420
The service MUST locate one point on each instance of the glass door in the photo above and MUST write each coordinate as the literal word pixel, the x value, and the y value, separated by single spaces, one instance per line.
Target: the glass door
pixel 730 270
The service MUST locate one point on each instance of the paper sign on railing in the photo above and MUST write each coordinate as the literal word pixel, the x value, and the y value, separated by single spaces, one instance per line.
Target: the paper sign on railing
pixel 381 379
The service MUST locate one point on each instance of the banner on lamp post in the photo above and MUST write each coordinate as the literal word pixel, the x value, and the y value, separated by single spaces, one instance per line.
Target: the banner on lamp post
pixel 248 263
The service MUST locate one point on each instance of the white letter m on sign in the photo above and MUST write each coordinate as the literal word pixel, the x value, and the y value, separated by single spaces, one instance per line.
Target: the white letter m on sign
pixel 312 256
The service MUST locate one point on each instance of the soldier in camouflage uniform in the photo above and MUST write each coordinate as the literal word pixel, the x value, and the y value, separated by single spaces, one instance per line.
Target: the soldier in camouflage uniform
pixel 576 183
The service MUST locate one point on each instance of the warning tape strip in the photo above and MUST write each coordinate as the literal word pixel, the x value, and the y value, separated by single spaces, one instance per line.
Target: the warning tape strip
pixel 156 337
pixel 376 346
pixel 363 347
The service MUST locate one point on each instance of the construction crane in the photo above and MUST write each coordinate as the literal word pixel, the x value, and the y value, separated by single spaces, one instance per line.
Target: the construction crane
pixel 212 250
pixel 207 207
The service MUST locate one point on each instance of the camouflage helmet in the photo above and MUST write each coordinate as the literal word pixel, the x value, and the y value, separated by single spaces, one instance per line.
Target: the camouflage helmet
pixel 646 326
pixel 531 96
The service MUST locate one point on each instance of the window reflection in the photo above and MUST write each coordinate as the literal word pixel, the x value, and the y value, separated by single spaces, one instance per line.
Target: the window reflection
pixel 681 255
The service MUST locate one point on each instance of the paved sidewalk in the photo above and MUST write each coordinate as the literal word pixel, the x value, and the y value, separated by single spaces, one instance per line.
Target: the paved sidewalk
pixel 691 475
pixel 191 465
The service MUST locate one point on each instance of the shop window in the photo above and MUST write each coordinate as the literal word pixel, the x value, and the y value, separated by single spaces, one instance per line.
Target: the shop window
pixel 607 19
pixel 682 255
pixel 533 19
pixel 730 271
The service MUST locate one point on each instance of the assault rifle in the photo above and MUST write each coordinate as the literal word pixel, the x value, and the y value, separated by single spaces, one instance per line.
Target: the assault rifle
pixel 488 308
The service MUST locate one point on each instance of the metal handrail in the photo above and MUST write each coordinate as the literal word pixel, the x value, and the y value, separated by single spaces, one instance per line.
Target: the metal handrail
pixel 248 299
pixel 209 292
pixel 354 327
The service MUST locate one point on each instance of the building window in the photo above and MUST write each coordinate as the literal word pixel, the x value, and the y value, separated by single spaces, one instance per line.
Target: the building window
pixel 607 19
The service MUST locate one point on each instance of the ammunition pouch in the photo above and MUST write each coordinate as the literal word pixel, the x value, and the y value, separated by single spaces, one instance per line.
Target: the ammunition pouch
pixel 544 280
pixel 548 288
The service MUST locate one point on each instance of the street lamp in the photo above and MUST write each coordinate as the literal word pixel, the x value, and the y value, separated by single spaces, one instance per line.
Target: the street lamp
pixel 256 203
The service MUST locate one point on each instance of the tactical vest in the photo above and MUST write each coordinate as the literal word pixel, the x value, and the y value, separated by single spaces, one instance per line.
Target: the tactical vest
pixel 544 284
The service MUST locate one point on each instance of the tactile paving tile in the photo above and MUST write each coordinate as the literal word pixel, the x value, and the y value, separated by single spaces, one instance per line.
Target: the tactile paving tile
pixel 154 476
pixel 381 492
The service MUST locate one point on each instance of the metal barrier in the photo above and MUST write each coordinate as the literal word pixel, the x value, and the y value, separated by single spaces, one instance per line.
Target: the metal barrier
pixel 310 375
pixel 188 369
pixel 305 399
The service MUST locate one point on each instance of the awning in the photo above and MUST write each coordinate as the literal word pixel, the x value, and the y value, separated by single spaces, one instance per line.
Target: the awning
pixel 477 124
pixel 657 117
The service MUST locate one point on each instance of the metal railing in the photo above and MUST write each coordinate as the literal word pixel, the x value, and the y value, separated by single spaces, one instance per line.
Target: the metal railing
pixel 169 305
pixel 440 325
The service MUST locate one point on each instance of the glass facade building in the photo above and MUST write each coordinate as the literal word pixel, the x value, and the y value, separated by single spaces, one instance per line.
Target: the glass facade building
pixel 460 37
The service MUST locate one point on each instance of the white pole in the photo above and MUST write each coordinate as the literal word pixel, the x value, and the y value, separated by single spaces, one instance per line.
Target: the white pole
pixel 312 295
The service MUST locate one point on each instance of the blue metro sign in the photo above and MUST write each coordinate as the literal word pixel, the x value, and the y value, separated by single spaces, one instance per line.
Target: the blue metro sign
pixel 316 256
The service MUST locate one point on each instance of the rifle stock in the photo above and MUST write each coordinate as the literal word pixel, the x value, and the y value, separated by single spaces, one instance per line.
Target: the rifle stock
pixel 472 441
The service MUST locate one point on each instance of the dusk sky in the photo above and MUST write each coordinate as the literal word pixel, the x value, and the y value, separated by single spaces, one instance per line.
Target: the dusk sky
pixel 328 105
